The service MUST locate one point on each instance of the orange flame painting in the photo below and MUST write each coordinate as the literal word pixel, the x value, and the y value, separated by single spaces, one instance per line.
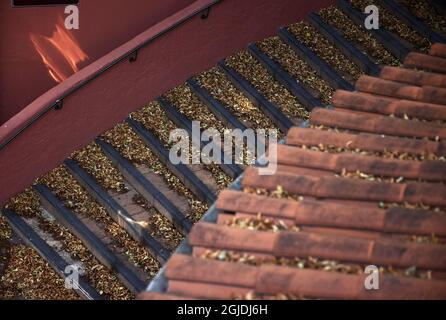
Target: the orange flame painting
pixel 60 52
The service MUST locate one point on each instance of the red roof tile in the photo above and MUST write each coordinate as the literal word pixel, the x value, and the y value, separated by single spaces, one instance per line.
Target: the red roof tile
pixel 400 90
pixel 364 141
pixel 373 123
pixel 438 49
pixel 413 77
pixel 426 170
pixel 214 279
pixel 363 185
pixel 326 213
pixel 426 62
pixel 400 108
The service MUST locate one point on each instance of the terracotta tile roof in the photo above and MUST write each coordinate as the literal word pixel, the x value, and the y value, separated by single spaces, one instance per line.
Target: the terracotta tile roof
pixel 401 90
pixel 438 50
pixel 189 276
pixel 425 61
pixel 379 124
pixel 365 141
pixel 413 77
pixel 363 184
pixel 360 101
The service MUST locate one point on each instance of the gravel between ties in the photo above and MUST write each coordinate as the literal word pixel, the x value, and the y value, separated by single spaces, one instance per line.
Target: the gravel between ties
pixel 356 34
pixel 154 118
pixel 77 199
pixel 95 162
pixel 27 205
pixel 126 141
pixel 244 63
pixel 216 82
pixel 320 45
pixel 426 13
pixel 276 49
pixel 26 275
pixel 391 23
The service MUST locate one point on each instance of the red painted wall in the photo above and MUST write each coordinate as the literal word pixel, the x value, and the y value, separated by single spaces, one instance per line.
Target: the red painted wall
pixel 169 60
pixel 104 25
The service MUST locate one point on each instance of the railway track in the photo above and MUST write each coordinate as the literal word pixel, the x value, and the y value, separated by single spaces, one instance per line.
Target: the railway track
pixel 119 208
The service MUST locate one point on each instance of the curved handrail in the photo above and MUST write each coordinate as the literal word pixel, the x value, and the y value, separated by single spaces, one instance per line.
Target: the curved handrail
pixel 54 97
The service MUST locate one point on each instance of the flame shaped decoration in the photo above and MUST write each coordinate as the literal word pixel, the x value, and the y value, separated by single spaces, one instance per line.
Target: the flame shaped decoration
pixel 60 53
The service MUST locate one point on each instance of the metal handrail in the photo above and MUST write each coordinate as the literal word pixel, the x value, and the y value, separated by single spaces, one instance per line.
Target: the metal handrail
pixel 131 55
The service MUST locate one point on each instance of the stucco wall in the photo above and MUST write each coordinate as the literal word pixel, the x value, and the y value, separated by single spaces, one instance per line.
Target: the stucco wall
pixel 104 25
pixel 169 60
